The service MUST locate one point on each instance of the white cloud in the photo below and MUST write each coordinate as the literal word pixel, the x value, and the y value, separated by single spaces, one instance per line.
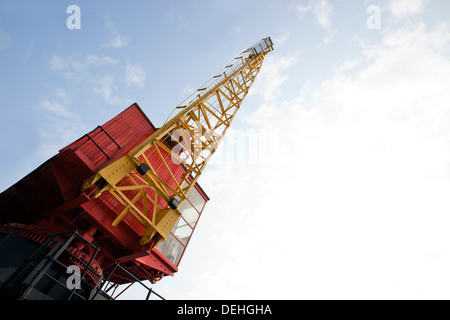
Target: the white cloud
pixel 63 125
pixel 187 90
pixel 404 8
pixel 97 72
pixel 354 204
pixel 348 65
pixel 106 87
pixel 280 40
pixel 74 68
pixel 57 106
pixel 303 9
pixel 271 78
pixel 322 11
pixel 135 75
pixel 118 40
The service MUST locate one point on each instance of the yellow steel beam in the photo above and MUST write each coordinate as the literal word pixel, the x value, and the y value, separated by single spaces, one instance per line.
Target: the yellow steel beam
pixel 205 121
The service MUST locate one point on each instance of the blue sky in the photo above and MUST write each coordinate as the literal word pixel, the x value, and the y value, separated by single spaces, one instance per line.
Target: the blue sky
pixel 346 192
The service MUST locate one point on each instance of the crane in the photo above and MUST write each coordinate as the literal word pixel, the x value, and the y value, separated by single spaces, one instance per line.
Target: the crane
pixel 119 204
pixel 197 130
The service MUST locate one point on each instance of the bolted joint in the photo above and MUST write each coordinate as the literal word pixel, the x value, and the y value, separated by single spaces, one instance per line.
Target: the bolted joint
pixel 173 203
pixel 142 169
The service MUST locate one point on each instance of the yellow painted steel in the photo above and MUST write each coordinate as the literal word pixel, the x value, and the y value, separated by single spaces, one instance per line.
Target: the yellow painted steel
pixel 201 123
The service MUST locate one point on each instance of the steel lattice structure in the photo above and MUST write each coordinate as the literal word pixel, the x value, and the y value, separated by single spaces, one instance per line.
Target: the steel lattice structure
pixel 190 137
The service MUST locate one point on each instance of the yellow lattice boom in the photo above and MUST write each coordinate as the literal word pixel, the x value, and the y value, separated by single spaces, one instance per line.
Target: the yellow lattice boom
pixel 196 130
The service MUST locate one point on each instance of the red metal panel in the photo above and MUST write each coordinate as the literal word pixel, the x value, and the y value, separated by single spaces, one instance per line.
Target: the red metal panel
pixel 114 139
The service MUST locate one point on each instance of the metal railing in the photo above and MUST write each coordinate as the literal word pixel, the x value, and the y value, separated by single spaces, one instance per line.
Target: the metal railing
pixel 107 286
pixel 55 252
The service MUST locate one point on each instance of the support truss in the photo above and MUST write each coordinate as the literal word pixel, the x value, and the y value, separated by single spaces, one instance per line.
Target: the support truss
pixel 189 138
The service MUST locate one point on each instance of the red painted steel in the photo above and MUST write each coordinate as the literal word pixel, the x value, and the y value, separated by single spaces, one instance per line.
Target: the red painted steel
pixel 50 197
